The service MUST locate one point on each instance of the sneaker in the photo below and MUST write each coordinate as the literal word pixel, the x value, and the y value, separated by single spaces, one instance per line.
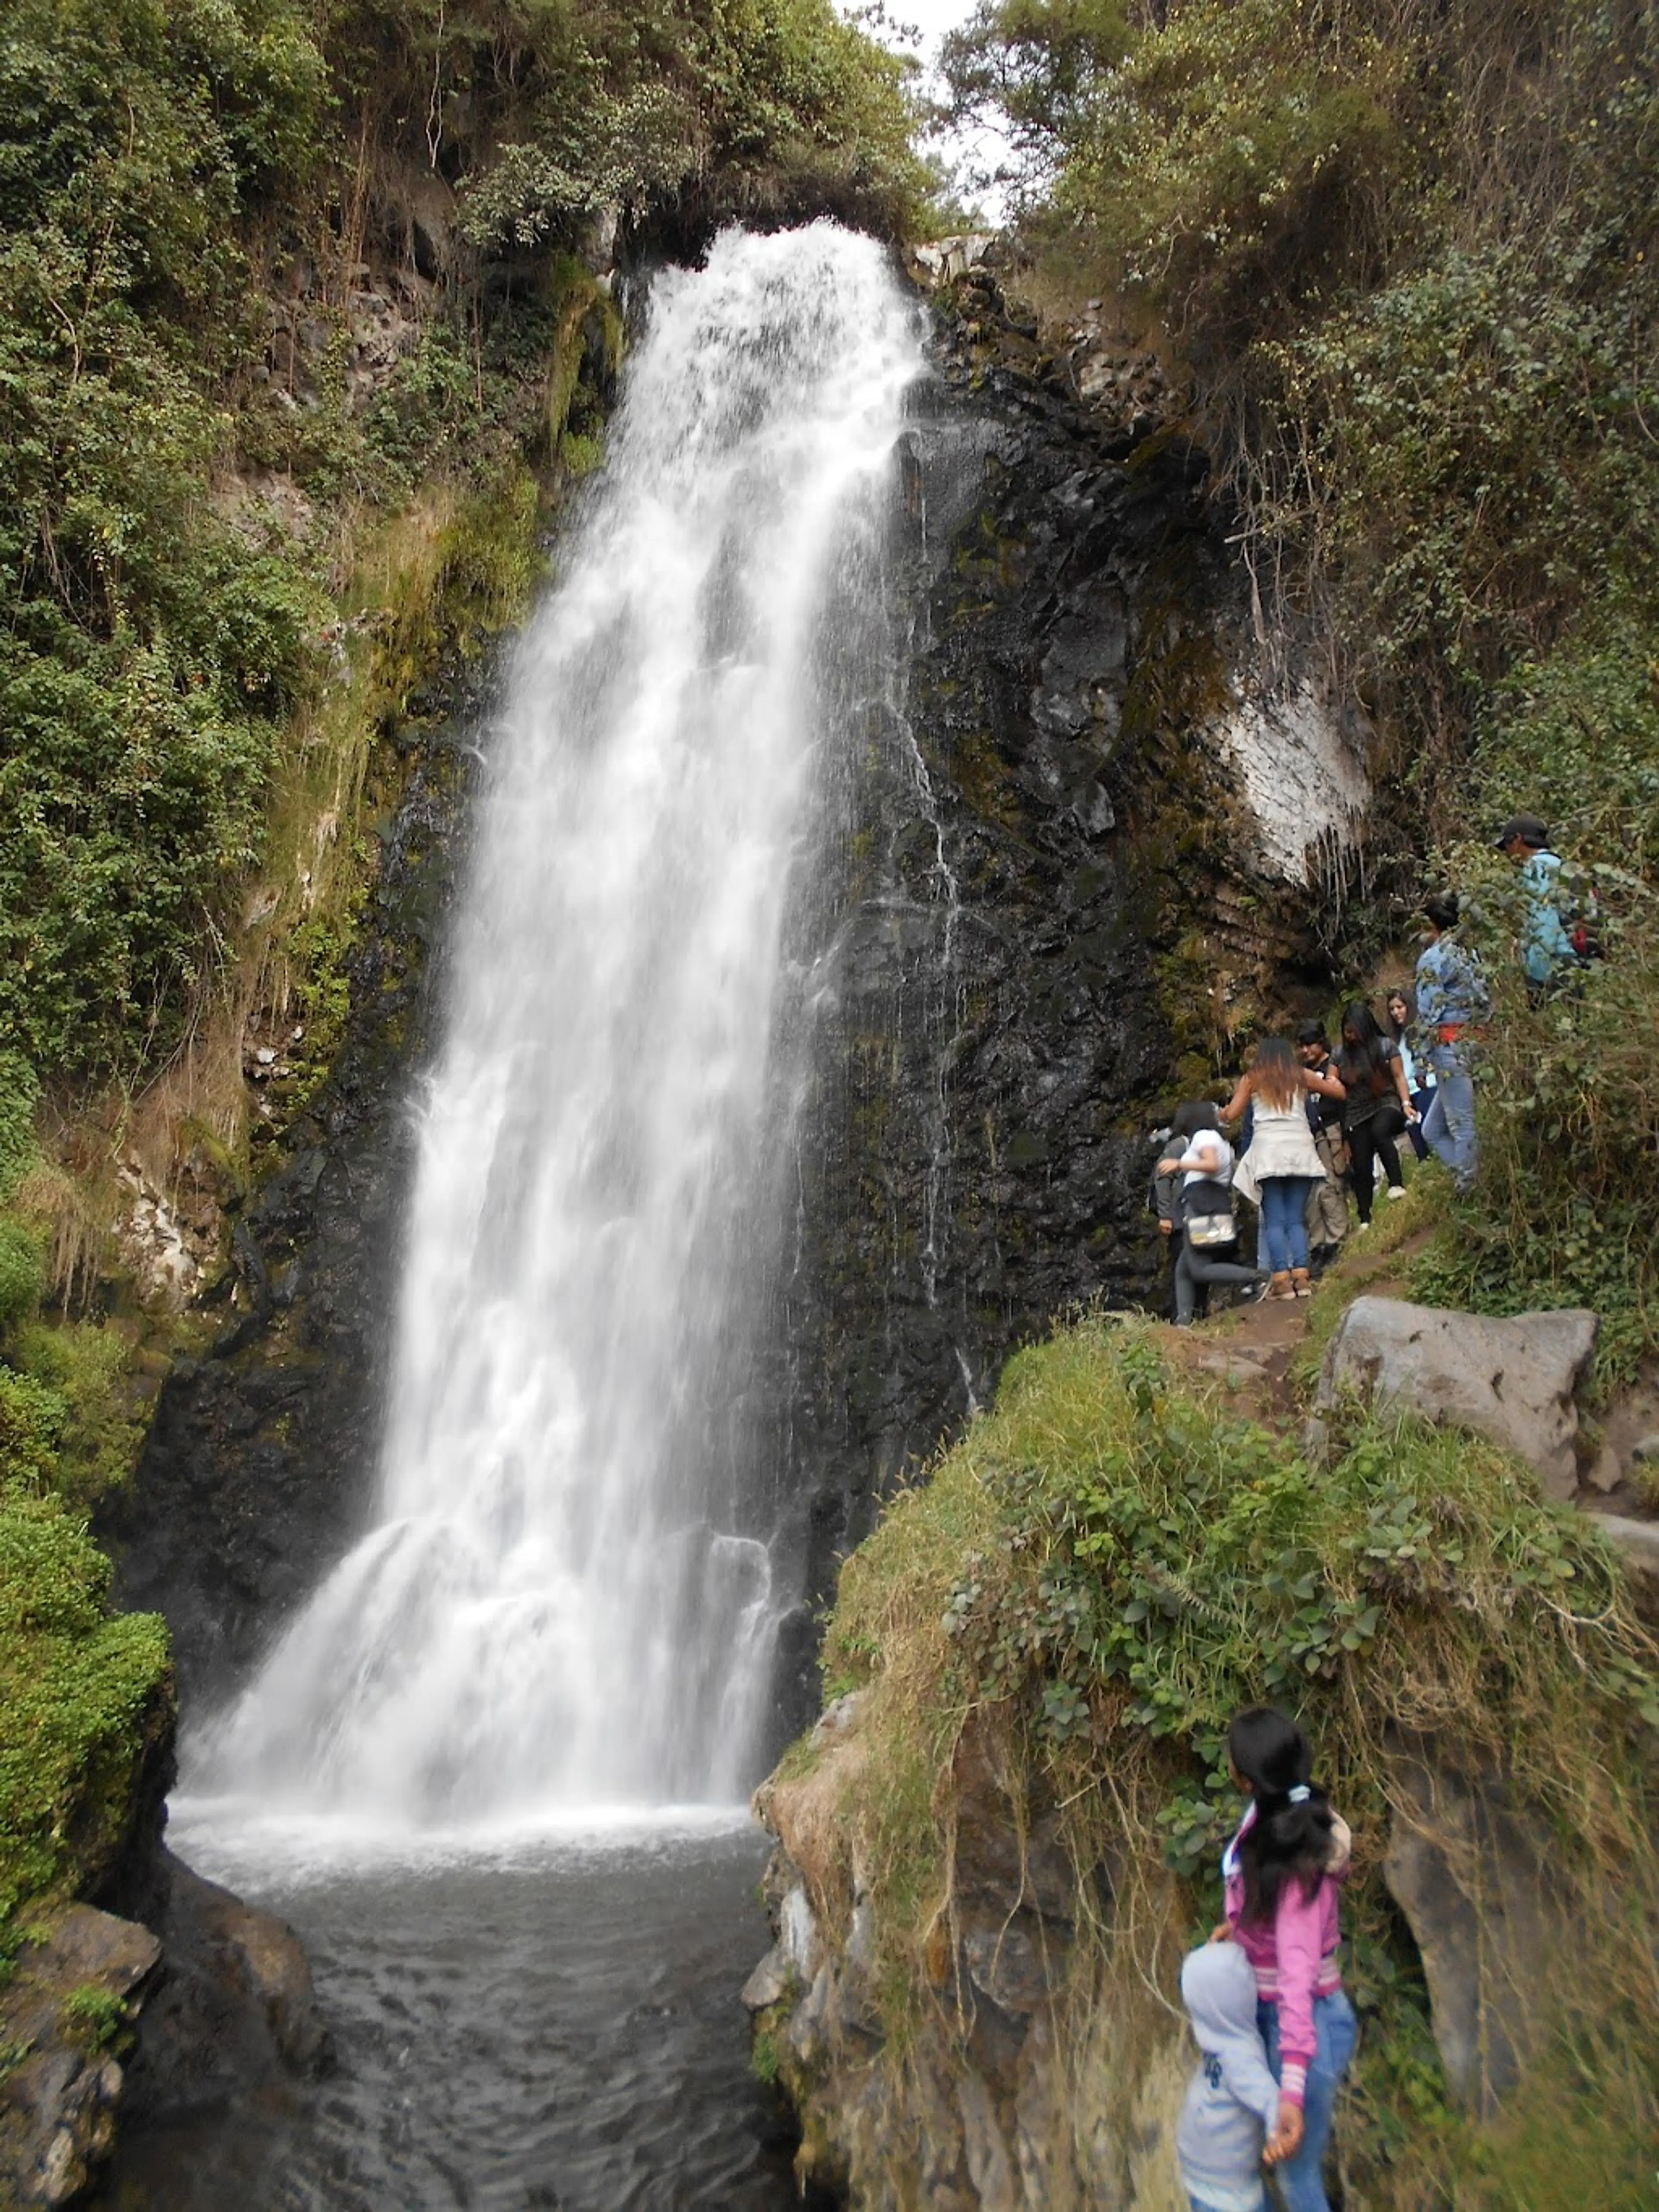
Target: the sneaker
pixel 1397 1190
pixel 1253 1294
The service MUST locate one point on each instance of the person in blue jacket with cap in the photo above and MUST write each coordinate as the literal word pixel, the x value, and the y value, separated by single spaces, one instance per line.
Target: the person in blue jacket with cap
pixel 1547 953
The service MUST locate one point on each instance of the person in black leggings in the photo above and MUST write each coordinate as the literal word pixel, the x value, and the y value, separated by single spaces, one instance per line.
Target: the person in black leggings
pixel 1378 1107
pixel 1201 1156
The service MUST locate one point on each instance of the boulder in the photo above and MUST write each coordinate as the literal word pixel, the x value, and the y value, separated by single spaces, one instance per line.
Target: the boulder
pixel 1470 1874
pixel 942 261
pixel 1638 1540
pixel 1513 1381
pixel 232 2011
pixel 64 2016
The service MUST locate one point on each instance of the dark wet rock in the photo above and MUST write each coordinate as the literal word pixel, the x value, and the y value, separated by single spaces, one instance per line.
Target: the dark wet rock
pixel 994 1036
pixel 233 2010
pixel 1472 1875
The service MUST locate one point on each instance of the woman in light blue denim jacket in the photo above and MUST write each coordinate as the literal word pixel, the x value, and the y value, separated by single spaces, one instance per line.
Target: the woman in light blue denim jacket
pixel 1451 997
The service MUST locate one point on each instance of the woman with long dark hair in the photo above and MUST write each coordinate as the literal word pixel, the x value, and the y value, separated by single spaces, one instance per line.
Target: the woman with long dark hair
pixel 1281 1872
pixel 1401 1008
pixel 1282 1165
pixel 1377 1108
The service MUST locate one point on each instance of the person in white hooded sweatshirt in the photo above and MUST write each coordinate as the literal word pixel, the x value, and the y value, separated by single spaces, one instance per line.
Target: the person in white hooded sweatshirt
pixel 1232 2101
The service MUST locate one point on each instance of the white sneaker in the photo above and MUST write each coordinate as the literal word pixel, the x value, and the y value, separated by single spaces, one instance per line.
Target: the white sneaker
pixel 1397 1190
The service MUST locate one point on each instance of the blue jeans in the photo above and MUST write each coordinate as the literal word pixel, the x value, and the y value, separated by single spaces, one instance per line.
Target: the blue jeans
pixel 1283 1231
pixel 1301 2179
pixel 1448 1125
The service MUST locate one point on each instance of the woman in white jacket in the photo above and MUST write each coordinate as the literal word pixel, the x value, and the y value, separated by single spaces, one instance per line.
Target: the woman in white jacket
pixel 1281 1165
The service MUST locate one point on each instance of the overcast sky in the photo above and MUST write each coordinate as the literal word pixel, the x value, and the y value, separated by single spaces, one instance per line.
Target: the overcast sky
pixel 930 19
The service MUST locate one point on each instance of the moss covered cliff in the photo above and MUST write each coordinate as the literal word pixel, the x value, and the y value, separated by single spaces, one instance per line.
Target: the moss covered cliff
pixel 1004 1833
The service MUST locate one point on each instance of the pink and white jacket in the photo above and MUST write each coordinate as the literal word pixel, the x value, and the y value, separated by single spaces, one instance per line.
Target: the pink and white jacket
pixel 1295 1957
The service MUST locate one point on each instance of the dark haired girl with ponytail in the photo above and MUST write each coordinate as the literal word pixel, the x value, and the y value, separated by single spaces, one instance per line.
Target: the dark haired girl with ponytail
pixel 1281 1869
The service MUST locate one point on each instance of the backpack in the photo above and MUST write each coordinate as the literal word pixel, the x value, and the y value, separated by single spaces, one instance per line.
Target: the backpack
pixel 1580 911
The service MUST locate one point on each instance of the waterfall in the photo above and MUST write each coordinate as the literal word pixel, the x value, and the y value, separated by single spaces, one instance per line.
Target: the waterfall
pixel 567 1598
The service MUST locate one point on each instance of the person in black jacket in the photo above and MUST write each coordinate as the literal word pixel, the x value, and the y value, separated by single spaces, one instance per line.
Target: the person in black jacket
pixel 1377 1108
pixel 1164 1198
pixel 1205 1165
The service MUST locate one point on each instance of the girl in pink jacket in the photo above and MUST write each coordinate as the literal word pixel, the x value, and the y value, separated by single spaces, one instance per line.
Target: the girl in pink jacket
pixel 1281 1871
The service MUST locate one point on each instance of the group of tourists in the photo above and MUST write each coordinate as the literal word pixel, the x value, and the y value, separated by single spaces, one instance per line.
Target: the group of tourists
pixel 1274 2025
pixel 1318 1125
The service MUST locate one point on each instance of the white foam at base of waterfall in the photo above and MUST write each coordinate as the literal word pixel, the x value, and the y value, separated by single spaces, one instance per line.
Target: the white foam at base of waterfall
pixel 567 1597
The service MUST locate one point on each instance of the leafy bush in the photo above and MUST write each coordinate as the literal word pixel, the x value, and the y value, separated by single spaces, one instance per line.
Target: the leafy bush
pixel 22 1273
pixel 149 651
pixel 80 1688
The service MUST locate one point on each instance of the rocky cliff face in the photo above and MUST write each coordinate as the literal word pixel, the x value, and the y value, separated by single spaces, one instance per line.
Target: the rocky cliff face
pixel 1061 897
pixel 157 1998
pixel 1038 2077
pixel 1054 885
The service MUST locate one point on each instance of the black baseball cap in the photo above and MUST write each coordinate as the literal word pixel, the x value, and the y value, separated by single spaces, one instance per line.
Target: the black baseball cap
pixel 1528 828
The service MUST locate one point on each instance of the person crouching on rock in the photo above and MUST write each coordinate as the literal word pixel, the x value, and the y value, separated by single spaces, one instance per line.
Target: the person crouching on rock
pixel 1233 2098
pixel 1281 1871
pixel 1282 1165
pixel 1208 1250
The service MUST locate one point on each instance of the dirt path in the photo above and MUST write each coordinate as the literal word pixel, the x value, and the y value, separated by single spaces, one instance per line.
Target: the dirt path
pixel 1251 1353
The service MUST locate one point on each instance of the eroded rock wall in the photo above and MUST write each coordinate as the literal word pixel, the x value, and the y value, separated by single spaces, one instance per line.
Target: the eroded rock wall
pixel 1060 899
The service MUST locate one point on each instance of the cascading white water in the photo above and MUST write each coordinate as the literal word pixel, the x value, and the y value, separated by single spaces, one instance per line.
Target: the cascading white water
pixel 561 1602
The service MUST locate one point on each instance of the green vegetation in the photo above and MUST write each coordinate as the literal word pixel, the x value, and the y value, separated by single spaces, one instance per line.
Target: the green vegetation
pixel 68 1420
pixel 85 1694
pixel 96 2017
pixel 1108 1566
pixel 1569 1118
pixel 174 180
pixel 150 650
pixel 765 2058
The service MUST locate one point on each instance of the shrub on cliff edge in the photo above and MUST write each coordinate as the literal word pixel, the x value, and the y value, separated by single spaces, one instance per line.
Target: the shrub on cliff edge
pixel 1108 1566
